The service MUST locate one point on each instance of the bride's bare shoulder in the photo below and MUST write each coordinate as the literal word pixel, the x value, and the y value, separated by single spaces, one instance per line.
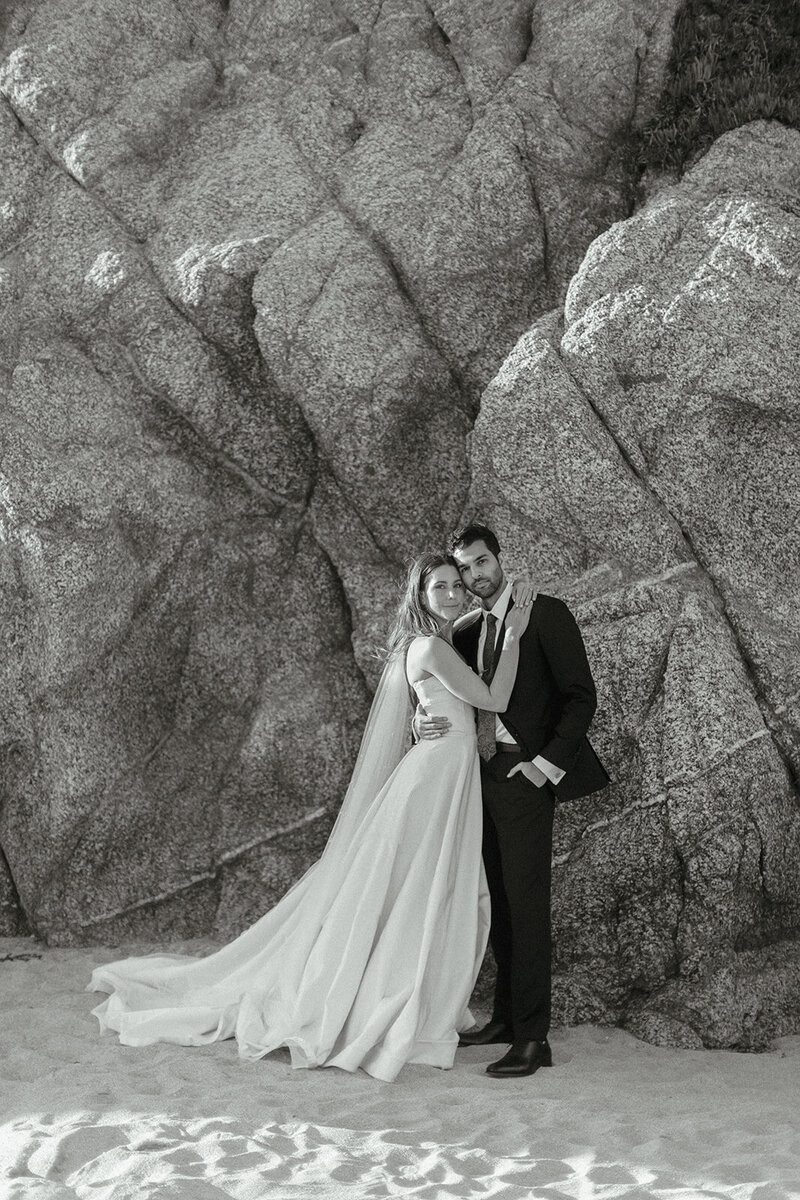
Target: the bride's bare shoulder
pixel 419 658
pixel 425 650
pixel 420 647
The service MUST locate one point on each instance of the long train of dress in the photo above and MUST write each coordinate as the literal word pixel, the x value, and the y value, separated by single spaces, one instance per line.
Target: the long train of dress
pixel 370 959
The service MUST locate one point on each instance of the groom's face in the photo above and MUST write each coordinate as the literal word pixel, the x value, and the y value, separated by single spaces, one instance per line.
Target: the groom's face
pixel 480 571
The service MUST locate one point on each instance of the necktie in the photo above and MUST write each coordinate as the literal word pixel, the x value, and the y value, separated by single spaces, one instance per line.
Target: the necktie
pixel 487 721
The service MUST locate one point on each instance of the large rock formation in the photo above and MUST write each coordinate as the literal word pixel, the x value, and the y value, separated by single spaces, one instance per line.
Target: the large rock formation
pixel 642 450
pixel 257 266
pixel 258 263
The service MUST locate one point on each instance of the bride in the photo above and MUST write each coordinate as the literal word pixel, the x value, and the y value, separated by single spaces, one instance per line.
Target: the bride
pixel 369 960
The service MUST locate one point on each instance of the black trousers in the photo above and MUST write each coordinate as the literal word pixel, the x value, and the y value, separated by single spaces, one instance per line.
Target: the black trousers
pixel 517 852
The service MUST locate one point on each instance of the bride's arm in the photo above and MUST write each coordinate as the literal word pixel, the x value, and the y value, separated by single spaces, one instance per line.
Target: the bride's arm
pixel 465 619
pixel 440 659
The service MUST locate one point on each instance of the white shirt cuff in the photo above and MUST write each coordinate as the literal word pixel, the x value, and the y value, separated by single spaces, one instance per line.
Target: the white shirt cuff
pixel 553 773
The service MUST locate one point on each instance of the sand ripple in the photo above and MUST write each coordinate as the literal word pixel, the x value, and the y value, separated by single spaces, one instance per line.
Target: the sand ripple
pixel 82 1117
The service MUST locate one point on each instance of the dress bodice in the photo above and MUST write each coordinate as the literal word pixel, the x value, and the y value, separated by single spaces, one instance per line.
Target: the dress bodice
pixel 439 701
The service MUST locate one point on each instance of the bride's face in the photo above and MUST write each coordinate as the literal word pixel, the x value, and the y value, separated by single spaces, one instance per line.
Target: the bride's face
pixel 444 594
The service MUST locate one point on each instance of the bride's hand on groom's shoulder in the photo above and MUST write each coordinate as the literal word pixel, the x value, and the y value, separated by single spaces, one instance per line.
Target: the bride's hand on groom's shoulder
pixel 523 590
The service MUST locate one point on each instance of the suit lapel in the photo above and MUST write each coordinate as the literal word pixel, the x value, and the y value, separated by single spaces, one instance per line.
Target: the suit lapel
pixel 499 635
pixel 468 643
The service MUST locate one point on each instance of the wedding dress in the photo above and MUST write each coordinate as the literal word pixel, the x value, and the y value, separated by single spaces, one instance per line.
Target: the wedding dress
pixel 370 959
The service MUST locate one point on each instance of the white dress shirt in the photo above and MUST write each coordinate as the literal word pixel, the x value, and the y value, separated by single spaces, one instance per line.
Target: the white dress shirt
pixel 499 610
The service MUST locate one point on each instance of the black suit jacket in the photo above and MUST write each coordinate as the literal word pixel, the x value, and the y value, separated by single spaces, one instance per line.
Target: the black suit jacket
pixel 554 697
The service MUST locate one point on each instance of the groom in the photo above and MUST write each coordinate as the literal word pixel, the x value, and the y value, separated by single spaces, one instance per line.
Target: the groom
pixel 532 754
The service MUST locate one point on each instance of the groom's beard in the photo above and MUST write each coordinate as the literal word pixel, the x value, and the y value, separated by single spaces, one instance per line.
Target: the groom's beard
pixel 488 590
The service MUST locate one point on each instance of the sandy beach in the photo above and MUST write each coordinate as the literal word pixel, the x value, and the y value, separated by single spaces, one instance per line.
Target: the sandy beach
pixel 82 1116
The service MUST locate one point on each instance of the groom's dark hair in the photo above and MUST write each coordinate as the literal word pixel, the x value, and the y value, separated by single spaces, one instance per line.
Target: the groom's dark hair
pixel 475 533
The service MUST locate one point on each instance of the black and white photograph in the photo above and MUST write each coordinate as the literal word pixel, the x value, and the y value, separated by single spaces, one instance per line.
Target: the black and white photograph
pixel 399 599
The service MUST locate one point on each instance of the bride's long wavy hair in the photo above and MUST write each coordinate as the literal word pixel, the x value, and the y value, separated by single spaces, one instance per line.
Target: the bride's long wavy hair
pixel 413 617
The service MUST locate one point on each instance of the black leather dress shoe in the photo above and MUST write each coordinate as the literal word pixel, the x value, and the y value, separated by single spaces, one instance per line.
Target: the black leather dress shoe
pixel 495 1031
pixel 522 1059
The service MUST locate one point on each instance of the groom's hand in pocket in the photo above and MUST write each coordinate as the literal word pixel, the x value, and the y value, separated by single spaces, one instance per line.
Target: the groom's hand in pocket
pixel 426 728
pixel 530 771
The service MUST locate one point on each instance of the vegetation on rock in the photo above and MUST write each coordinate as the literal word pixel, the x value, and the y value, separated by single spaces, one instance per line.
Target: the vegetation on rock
pixel 733 61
